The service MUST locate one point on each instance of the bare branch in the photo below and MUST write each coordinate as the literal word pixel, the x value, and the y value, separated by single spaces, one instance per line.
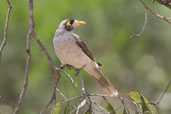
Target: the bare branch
pixel 69 76
pixel 26 75
pixel 104 110
pixel 6 28
pixel 81 105
pixel 139 34
pixel 166 3
pixel 51 64
pixel 28 51
pixel 53 98
pixel 160 98
pixel 61 94
pixel 55 72
pixel 154 13
pixel 125 107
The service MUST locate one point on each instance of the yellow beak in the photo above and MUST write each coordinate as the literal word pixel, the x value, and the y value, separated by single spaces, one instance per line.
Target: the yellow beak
pixel 78 23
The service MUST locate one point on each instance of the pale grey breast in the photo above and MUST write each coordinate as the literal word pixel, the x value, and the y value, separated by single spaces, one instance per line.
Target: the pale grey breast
pixel 68 51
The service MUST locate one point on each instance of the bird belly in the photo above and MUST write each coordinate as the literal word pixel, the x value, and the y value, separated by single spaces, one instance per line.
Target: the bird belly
pixel 71 54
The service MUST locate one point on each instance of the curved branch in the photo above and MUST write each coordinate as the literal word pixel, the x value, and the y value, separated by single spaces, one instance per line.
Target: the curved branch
pixel 154 13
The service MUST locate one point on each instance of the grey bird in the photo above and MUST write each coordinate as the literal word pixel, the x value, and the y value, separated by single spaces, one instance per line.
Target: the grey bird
pixel 72 51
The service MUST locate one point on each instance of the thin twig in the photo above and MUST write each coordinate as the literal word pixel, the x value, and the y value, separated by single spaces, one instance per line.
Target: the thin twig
pixel 125 107
pixel 60 93
pixel 154 13
pixel 104 110
pixel 31 28
pixel 53 97
pixel 143 28
pixel 23 91
pixel 81 105
pixel 51 64
pixel 74 84
pixel 70 77
pixel 55 72
pixel 160 98
pixel 5 28
pixel 83 86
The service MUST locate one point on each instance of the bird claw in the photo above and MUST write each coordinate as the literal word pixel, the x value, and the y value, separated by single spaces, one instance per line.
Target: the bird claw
pixel 70 67
pixel 77 70
pixel 66 65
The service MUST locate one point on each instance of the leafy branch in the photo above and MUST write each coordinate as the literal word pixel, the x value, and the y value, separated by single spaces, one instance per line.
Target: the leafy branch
pixel 141 103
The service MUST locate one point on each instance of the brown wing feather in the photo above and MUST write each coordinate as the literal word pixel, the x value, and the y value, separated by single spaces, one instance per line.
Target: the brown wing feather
pixel 83 46
pixel 85 49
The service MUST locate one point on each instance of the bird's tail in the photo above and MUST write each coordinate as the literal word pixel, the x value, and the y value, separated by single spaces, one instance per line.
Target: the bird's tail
pixel 103 83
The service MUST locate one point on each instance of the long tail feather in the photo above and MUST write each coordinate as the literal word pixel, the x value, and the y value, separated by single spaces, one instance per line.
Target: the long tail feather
pixel 103 83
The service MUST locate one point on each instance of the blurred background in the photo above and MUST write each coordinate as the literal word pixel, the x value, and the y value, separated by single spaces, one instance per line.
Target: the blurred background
pixel 140 63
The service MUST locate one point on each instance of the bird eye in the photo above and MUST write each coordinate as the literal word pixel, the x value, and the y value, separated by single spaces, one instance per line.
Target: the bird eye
pixel 70 22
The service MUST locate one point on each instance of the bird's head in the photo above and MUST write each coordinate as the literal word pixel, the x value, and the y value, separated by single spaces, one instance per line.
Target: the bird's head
pixel 70 24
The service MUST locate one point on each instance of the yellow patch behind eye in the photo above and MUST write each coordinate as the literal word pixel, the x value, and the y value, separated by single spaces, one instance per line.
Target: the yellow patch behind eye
pixel 68 23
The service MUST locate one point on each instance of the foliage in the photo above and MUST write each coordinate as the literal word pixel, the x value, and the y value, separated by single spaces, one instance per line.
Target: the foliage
pixel 142 101
pixel 109 108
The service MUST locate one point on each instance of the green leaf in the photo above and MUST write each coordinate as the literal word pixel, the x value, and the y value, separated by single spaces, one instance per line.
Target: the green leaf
pixel 89 111
pixel 109 108
pixel 57 108
pixel 142 102
pixel 66 110
pixel 144 105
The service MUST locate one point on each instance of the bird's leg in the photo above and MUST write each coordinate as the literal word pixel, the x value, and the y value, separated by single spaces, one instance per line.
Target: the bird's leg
pixel 77 70
pixel 83 87
pixel 70 67
pixel 82 81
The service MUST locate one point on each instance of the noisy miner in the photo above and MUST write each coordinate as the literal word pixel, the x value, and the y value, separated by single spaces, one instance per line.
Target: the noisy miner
pixel 72 51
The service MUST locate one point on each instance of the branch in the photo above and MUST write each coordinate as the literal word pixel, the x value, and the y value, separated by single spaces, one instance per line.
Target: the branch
pixel 166 3
pixel 154 13
pixel 6 28
pixel 160 98
pixel 28 51
pixel 143 28
pixel 53 98
pixel 55 71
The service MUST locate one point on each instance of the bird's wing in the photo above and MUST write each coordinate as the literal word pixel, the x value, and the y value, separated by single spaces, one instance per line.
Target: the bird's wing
pixel 85 49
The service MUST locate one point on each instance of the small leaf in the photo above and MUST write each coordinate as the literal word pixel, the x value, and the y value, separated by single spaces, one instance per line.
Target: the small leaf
pixel 142 102
pixel 89 111
pixel 57 108
pixel 109 108
pixel 66 110
pixel 144 106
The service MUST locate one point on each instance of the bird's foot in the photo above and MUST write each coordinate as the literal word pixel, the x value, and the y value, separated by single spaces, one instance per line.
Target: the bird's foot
pixel 70 67
pixel 77 70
